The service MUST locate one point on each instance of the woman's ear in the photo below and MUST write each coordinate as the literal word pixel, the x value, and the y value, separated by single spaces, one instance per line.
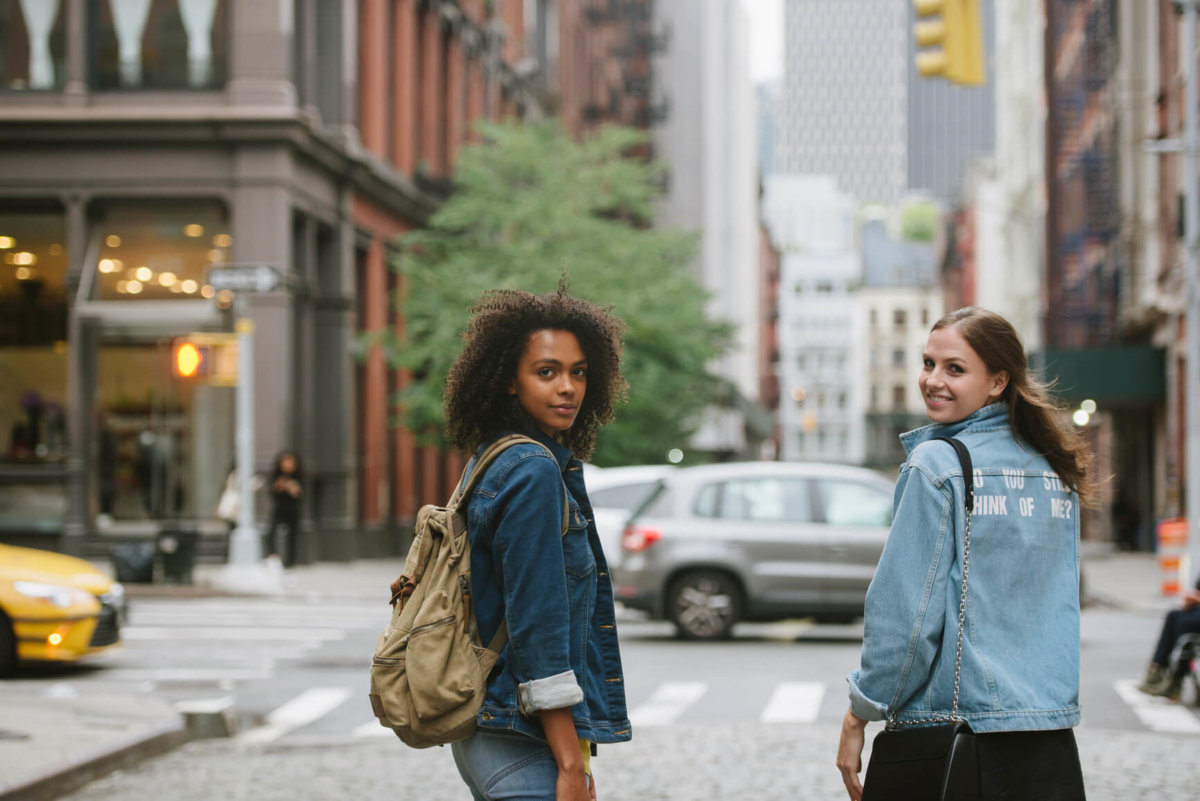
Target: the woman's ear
pixel 999 384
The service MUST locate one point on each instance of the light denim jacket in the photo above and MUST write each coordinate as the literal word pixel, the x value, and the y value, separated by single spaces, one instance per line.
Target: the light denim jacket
pixel 553 589
pixel 1020 664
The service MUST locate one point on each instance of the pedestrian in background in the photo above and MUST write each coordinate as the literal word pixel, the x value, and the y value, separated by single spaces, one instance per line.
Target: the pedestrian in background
pixel 1020 653
pixel 1160 679
pixel 287 489
pixel 547 367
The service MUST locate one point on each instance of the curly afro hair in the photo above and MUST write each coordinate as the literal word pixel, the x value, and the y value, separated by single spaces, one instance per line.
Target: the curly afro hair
pixel 477 403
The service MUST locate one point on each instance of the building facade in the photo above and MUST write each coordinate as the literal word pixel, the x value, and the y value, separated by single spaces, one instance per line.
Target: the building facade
pixel 901 297
pixel 145 143
pixel 844 95
pixel 821 408
pixel 707 144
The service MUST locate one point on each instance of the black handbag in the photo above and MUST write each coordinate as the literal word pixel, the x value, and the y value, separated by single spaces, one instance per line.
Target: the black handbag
pixel 934 758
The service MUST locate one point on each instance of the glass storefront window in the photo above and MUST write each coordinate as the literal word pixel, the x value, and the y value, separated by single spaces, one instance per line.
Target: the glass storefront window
pixel 159 252
pixel 32 44
pixel 33 334
pixel 158 44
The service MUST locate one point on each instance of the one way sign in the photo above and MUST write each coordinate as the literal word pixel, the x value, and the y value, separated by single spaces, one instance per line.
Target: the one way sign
pixel 243 277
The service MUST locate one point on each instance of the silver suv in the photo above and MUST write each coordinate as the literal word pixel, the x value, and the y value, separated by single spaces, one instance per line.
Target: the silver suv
pixel 754 541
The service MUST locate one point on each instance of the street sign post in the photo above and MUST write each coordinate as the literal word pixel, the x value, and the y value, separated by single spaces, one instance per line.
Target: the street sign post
pixel 245 571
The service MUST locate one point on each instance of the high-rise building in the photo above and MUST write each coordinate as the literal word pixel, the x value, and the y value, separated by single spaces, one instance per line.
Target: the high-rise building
pixel 855 107
pixel 844 95
pixel 707 142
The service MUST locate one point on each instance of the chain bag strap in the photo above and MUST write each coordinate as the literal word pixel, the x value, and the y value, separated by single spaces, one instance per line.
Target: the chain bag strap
pixel 964 459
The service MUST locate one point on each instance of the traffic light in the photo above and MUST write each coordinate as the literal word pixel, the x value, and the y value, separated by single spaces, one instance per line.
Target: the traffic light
pixel 950 40
pixel 190 359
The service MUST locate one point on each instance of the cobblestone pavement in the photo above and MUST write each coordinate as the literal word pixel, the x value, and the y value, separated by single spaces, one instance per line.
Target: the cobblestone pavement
pixel 680 763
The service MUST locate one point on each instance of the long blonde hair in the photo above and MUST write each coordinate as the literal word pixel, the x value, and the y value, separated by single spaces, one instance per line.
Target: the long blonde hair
pixel 1034 414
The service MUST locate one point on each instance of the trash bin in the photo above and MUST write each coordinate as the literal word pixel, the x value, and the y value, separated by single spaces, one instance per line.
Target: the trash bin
pixel 176 547
pixel 133 562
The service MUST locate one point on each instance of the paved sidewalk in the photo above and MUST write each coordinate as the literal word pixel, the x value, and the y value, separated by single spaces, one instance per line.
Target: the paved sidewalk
pixel 50 745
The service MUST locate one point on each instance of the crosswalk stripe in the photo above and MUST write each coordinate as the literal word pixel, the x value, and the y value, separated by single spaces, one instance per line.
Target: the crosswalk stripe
pixel 794 702
pixel 372 729
pixel 1158 714
pixel 218 633
pixel 667 703
pixel 300 711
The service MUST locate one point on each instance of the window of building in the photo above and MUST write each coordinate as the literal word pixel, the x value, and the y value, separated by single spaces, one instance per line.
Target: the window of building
pixel 159 44
pixel 899 318
pixel 32 44
pixel 924 317
pixel 874 318
pixel 33 338
pixel 898 357
pixel 898 397
pixel 159 252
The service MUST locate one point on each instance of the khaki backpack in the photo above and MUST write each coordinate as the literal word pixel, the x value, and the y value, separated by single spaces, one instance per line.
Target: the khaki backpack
pixel 429 674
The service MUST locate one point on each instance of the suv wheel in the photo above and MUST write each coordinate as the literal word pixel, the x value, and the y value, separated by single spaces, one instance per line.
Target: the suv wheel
pixel 704 605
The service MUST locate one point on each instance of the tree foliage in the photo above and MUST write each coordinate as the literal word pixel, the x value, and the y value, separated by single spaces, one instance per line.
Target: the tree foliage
pixel 529 206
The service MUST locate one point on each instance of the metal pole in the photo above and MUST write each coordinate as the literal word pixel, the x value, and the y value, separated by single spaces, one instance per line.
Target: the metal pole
pixel 1191 395
pixel 244 546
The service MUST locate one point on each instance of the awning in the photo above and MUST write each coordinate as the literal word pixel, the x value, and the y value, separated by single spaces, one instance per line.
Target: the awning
pixel 1109 376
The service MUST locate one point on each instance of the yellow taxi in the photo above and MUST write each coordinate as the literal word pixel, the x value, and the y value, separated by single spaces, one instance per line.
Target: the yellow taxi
pixel 55 607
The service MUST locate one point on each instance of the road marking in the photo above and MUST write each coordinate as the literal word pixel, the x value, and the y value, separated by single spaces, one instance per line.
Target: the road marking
pixel 169 675
pixel 667 703
pixel 794 702
pixel 300 711
pixel 219 633
pixel 372 729
pixel 272 620
pixel 1158 714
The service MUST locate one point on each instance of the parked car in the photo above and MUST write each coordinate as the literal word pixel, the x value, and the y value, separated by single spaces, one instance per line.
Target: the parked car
pixel 721 543
pixel 615 493
pixel 55 608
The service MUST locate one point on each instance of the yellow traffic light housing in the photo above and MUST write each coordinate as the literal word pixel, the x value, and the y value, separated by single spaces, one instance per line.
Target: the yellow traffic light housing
pixel 949 39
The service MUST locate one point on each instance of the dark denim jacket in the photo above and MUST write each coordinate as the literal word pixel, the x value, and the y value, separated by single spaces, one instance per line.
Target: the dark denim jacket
pixel 553 589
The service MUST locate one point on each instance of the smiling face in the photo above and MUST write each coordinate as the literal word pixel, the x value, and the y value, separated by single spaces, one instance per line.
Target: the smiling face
pixel 551 379
pixel 955 383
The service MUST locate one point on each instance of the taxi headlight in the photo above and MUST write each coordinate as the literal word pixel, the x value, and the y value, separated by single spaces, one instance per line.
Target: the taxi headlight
pixel 56 595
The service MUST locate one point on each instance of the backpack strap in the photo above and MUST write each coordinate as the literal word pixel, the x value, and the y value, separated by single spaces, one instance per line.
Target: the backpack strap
pixel 467 483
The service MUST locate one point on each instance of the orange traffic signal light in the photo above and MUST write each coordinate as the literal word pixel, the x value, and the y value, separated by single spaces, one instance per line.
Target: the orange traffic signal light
pixel 190 359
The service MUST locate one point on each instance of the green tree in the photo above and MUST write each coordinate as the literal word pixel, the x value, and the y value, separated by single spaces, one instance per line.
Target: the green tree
pixel 919 220
pixel 530 204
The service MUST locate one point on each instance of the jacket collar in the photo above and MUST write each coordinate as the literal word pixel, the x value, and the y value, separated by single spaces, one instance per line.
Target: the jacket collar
pixel 993 415
pixel 562 454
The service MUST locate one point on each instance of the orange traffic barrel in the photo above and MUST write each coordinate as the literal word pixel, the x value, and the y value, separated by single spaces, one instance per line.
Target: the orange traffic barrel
pixel 1172 544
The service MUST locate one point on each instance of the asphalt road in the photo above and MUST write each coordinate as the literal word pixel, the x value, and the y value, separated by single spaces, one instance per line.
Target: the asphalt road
pixel 297 673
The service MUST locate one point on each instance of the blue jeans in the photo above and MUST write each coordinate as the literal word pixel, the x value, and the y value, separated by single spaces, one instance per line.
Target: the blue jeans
pixel 512 767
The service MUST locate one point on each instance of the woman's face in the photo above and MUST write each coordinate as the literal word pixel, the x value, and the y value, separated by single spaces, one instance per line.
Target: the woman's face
pixel 287 464
pixel 551 379
pixel 954 381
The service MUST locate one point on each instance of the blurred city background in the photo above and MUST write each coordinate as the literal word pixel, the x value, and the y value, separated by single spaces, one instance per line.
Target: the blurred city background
pixel 836 202
pixel 235 229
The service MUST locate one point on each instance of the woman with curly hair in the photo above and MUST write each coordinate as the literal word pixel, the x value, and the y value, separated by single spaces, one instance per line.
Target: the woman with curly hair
pixel 547 367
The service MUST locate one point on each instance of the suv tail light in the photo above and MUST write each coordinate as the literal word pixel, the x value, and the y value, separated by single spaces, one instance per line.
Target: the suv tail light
pixel 639 538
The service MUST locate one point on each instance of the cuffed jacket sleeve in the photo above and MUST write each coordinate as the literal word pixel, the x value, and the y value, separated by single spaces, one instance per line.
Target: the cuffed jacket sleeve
pixel 905 606
pixel 528 512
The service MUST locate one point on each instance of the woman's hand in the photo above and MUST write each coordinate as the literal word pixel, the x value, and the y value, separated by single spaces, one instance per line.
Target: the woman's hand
pixel 573 785
pixel 849 756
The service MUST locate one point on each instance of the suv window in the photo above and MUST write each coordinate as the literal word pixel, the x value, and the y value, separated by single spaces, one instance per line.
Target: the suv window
pixel 849 503
pixel 623 496
pixel 768 499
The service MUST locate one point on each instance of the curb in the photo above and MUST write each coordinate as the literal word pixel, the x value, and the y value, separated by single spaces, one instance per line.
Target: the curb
pixel 74 773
